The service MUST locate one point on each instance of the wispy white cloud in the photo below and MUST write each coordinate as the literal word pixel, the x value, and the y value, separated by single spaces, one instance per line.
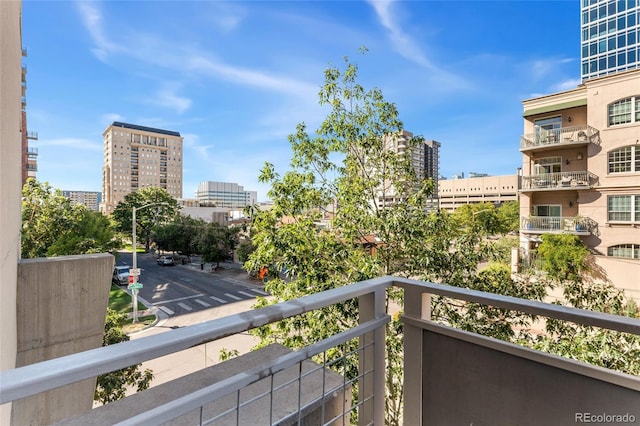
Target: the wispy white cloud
pixel 541 68
pixel 226 16
pixel 566 85
pixel 92 20
pixel 248 77
pixel 153 49
pixel 109 118
pixel 167 97
pixel 409 49
pixel 75 143
pixel 402 42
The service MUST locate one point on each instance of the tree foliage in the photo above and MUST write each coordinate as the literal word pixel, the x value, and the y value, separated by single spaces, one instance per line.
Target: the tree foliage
pixel 162 208
pixel 351 209
pixel 489 219
pixel 52 226
pixel 113 386
pixel 179 236
pixel 563 256
pixel 215 242
pixel 381 226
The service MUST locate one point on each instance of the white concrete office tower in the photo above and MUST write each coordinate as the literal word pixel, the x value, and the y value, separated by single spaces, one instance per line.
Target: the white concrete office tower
pixel 609 37
pixel 224 194
pixel 137 157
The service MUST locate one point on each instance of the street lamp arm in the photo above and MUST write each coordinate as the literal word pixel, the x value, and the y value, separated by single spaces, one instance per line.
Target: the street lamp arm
pixel 135 258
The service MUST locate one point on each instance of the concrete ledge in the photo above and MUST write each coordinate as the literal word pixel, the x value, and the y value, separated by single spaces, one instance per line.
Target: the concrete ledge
pixel 62 304
pixel 256 412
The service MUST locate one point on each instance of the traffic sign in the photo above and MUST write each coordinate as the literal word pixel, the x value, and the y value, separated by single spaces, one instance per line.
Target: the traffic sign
pixel 130 279
pixel 134 271
pixel 135 286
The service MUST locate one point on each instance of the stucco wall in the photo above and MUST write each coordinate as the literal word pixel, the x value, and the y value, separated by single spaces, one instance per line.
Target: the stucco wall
pixel 10 181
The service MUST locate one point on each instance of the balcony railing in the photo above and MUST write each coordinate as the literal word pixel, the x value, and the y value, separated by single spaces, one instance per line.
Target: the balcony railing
pixel 558 225
pixel 32 135
pixel 559 181
pixel 495 381
pixel 574 135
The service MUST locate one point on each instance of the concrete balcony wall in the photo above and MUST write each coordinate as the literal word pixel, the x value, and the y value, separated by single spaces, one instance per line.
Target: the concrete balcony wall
pixel 471 379
pixel 62 304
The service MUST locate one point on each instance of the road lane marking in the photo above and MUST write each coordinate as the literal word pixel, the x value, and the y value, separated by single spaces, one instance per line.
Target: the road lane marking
pixel 264 293
pixel 232 296
pixel 166 310
pixel 178 299
pixel 217 299
pixel 185 306
pixel 205 304
pixel 246 294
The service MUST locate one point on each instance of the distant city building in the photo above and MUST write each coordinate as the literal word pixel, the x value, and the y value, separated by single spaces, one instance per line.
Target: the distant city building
pixel 224 194
pixel 425 161
pixel 496 190
pixel 609 37
pixel 477 175
pixel 29 153
pixel 458 176
pixel 138 157
pixel 88 198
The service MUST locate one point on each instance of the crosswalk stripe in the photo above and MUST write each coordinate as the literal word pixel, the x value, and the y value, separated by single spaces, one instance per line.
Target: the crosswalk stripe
pixel 257 290
pixel 166 310
pixel 185 306
pixel 246 294
pixel 205 304
pixel 232 296
pixel 217 299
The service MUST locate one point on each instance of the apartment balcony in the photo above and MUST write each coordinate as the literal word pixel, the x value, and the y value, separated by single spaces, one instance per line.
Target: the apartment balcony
pixel 32 153
pixel 451 376
pixel 560 181
pixel 32 167
pixel 576 225
pixel 544 140
pixel 32 135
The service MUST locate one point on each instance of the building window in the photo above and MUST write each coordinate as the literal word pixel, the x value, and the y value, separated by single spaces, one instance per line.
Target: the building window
pixel 626 159
pixel 625 111
pixel 623 208
pixel 630 251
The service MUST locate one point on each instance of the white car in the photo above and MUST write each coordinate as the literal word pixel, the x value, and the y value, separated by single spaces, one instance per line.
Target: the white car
pixel 120 275
pixel 165 260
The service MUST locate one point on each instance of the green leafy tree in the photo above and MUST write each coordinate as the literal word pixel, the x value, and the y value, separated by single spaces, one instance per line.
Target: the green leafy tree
pixel 52 226
pixel 509 216
pixel 162 208
pixel 381 226
pixel 180 235
pixel 563 256
pixel 215 242
pixel 113 386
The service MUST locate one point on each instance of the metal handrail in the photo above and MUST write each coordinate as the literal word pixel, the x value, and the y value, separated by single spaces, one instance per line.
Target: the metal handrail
pixel 573 179
pixel 563 135
pixel 43 376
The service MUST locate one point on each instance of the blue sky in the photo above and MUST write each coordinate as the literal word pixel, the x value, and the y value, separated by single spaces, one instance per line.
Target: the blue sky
pixel 234 78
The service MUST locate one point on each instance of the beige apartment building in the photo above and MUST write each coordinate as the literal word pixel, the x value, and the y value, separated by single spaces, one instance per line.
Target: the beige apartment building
pixel 137 157
pixel 581 172
pixel 497 190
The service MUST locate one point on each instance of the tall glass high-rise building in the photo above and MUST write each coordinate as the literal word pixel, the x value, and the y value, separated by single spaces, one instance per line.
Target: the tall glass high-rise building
pixel 610 32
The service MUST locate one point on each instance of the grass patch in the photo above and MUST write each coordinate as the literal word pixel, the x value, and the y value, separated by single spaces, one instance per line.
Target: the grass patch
pixel 120 301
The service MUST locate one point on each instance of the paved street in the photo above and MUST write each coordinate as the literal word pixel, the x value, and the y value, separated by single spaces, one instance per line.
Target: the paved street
pixel 184 289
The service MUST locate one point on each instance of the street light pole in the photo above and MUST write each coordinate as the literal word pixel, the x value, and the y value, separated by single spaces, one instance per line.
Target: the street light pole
pixel 134 270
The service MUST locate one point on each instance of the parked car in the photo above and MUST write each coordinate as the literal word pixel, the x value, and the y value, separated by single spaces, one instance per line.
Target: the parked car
pixel 120 275
pixel 166 260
